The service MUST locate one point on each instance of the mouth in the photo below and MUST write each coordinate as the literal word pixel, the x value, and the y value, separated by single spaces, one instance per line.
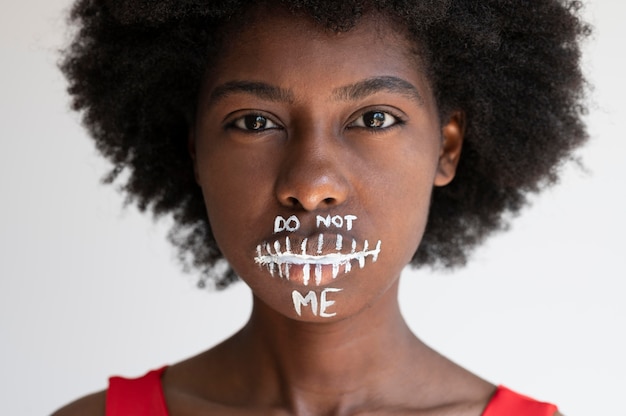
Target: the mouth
pixel 280 257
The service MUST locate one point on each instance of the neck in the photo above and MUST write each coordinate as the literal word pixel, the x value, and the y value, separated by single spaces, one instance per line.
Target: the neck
pixel 348 359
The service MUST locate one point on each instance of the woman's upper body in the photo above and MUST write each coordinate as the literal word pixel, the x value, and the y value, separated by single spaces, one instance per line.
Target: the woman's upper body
pixel 144 396
pixel 316 152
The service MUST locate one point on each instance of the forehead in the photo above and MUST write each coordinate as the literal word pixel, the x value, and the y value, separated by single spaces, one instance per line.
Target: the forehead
pixel 277 19
pixel 281 47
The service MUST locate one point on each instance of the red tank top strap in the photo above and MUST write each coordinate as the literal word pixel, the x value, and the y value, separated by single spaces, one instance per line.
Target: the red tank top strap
pixel 506 402
pixel 141 396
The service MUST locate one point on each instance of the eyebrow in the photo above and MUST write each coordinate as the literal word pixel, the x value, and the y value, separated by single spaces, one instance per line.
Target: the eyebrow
pixel 374 85
pixel 352 92
pixel 259 89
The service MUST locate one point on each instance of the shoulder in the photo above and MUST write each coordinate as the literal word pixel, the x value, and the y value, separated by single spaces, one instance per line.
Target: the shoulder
pixel 91 405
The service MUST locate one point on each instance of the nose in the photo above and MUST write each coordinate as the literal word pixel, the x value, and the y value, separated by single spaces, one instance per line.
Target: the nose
pixel 312 176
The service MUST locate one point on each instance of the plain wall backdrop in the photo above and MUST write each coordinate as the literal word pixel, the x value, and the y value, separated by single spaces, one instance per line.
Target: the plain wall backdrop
pixel 89 289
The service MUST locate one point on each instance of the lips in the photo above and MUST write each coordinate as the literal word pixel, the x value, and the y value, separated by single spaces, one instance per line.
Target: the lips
pixel 314 256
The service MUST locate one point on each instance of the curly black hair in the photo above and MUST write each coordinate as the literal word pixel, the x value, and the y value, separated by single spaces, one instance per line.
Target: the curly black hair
pixel 512 66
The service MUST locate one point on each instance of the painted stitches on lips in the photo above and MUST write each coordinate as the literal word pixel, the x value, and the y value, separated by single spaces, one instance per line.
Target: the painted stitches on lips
pixel 281 256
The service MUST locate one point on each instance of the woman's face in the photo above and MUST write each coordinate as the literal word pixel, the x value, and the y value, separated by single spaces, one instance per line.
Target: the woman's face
pixel 316 153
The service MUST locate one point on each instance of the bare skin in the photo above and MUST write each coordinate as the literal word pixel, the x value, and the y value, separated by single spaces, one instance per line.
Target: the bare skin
pixel 314 151
pixel 325 377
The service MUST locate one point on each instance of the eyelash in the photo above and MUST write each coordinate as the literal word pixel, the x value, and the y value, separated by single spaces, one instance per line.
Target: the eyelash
pixel 395 122
pixel 241 123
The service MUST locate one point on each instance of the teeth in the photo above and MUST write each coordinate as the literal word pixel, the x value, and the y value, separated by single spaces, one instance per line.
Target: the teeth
pixel 272 256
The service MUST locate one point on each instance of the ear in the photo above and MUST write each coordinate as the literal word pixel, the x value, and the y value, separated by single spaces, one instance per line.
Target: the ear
pixel 452 134
pixel 191 149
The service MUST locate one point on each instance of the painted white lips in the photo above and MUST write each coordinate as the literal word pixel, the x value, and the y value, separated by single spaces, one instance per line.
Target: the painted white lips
pixel 280 256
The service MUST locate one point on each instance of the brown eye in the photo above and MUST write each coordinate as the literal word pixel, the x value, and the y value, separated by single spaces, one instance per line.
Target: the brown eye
pixel 375 120
pixel 254 122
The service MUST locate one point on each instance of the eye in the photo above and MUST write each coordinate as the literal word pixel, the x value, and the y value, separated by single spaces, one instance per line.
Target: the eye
pixel 254 122
pixel 375 120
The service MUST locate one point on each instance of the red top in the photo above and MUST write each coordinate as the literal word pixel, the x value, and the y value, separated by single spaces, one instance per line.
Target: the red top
pixel 143 396
pixel 508 403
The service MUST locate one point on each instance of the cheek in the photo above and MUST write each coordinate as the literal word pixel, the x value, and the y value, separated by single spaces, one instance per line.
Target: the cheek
pixel 229 174
pixel 406 197
pixel 409 216
pixel 233 210
pixel 234 198
pixel 240 204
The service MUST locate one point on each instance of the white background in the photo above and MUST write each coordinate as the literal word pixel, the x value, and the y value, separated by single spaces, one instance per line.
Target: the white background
pixel 88 289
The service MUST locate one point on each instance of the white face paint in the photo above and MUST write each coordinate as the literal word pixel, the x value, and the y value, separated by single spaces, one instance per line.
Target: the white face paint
pixel 312 258
pixel 311 298
pixel 337 221
pixel 328 250
pixel 290 224
pixel 280 256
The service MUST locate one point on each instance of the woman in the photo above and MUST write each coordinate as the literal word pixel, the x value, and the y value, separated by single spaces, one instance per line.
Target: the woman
pixel 319 148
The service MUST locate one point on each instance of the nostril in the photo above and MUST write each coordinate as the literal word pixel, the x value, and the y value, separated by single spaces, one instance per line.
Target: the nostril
pixel 309 204
pixel 317 186
pixel 293 201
